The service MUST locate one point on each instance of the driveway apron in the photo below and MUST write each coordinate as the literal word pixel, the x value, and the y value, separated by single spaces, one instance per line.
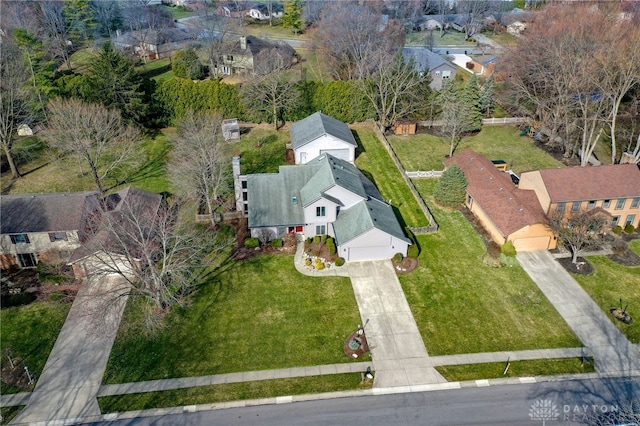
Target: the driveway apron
pixel 71 378
pixel 613 352
pixel 398 352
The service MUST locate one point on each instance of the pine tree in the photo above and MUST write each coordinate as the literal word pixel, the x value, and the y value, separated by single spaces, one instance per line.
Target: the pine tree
pixel 487 96
pixel 187 65
pixel 451 187
pixel 471 96
pixel 292 17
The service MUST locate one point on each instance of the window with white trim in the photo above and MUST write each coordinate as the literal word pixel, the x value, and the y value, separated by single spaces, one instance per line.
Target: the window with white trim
pixel 320 211
pixel 620 203
pixel 321 230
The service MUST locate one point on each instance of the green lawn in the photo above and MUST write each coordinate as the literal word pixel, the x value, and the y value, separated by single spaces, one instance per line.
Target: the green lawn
pixel 29 332
pixel 230 392
pixel 427 152
pixel 612 282
pixel 635 246
pixel 463 306
pixel 8 413
pixel 256 314
pixel 158 70
pixel 495 370
pixel 262 150
pixel 376 163
pixel 177 12
pixel 450 38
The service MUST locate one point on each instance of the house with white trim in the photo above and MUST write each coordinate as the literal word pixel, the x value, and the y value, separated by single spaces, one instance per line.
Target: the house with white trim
pixel 320 134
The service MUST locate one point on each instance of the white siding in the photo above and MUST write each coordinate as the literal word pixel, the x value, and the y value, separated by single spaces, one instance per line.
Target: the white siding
pixel 372 245
pixel 39 242
pixel 347 198
pixel 310 216
pixel 311 150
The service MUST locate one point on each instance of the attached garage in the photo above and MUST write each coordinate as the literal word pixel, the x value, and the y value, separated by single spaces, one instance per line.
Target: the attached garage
pixel 532 243
pixel 342 154
pixel 367 253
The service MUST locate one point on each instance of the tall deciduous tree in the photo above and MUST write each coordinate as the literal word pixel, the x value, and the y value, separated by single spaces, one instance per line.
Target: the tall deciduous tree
pixel 579 230
pixel 353 39
pixel 14 98
pixel 397 90
pixel 455 116
pixel 270 96
pixel 98 137
pixel 206 176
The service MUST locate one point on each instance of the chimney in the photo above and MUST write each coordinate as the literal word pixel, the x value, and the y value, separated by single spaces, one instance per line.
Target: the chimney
pixel 243 43
pixel 237 183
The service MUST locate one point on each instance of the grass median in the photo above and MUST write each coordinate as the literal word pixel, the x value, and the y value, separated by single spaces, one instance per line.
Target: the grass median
pixel 527 368
pixel 463 306
pixel 232 392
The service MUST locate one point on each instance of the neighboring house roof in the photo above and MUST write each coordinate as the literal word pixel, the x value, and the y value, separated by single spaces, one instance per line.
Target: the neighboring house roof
pixel 255 45
pixel 592 182
pixel 425 59
pixel 279 199
pixel 45 212
pixel 317 125
pixel 153 37
pixel 364 216
pixel 508 207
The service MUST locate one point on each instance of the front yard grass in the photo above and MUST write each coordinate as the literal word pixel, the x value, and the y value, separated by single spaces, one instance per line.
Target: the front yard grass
pixel 255 314
pixel 376 163
pixel 527 368
pixel 463 306
pixel 230 392
pixel 427 152
pixel 30 332
pixel 612 282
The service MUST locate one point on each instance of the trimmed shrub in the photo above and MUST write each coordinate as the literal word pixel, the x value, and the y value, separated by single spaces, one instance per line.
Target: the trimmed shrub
pixel 629 229
pixel 332 249
pixel 617 229
pixel 309 240
pixel 340 261
pixel 397 257
pixel 319 264
pixel 276 243
pixel 330 240
pixel 307 262
pixel 251 243
pixel 451 187
pixel 316 239
pixel 323 238
pixel 619 246
pixel 508 249
pixel 413 251
pixel 507 260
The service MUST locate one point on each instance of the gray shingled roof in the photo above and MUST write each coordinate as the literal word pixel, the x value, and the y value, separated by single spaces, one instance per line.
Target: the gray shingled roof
pixel 316 125
pixel 44 212
pixel 425 59
pixel 364 216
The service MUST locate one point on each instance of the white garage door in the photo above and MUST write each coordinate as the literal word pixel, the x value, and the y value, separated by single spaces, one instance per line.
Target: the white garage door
pixel 342 154
pixel 367 253
pixel 532 244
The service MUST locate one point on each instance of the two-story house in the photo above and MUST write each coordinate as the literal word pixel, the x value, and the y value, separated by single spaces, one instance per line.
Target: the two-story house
pixel 325 196
pixel 427 61
pixel 253 55
pixel 615 188
pixel 43 227
pixel 320 134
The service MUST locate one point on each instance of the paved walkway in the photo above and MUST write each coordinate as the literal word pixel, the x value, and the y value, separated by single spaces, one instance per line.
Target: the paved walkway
pixel 398 352
pixel 613 352
pixel 72 376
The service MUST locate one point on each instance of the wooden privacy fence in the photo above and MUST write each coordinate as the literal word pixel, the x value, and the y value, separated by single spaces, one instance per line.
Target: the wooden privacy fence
pixel 433 227
pixel 485 121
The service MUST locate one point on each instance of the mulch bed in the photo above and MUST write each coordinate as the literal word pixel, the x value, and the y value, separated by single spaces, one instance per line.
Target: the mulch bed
pixel 407 265
pixel 629 258
pixel 361 350
pixel 16 375
pixel 582 266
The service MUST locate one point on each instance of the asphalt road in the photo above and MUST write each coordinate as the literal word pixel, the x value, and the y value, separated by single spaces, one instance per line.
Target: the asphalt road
pixel 561 403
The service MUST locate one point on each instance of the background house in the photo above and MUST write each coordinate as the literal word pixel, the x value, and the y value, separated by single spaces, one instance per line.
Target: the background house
pixel 320 134
pixel 325 196
pixel 507 213
pixel 153 43
pixel 253 55
pixel 43 227
pixel 615 188
pixel 262 12
pixel 427 61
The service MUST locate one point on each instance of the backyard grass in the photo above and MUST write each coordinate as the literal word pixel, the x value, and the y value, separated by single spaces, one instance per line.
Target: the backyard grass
pixel 528 368
pixel 177 12
pixel 81 59
pixel 463 306
pixel 30 332
pixel 427 152
pixel 158 70
pixel 450 38
pixel 230 392
pixel 375 162
pixel 261 150
pixel 612 282
pixel 255 314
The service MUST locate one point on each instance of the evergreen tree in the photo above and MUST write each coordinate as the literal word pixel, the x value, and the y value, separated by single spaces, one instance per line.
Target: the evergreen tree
pixel 78 17
pixel 292 17
pixel 113 81
pixel 187 65
pixel 487 96
pixel 471 96
pixel 451 187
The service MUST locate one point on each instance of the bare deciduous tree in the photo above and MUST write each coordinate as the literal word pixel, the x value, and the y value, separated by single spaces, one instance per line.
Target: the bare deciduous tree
pixel 354 38
pixel 455 116
pixel 14 99
pixel 201 165
pixel 140 238
pixel 95 135
pixel 271 95
pixel 579 230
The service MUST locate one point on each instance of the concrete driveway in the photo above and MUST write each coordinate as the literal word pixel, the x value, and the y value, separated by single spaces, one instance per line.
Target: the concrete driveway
pixel 71 378
pixel 613 352
pixel 398 352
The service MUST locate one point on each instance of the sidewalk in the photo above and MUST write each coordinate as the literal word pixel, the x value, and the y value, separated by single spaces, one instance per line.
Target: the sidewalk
pixel 72 376
pixel 613 353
